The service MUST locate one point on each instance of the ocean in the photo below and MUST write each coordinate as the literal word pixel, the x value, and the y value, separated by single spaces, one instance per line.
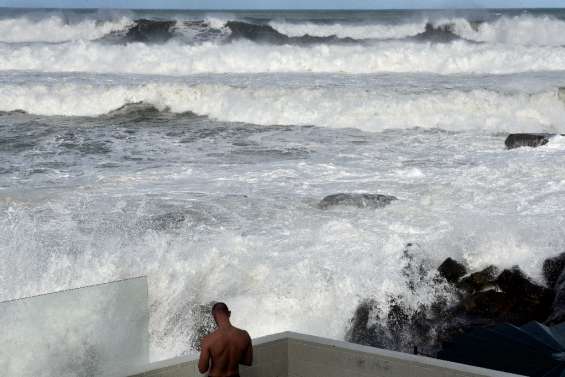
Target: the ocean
pixel 194 148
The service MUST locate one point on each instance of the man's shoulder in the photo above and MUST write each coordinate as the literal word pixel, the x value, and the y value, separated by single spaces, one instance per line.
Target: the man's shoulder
pixel 243 333
pixel 209 338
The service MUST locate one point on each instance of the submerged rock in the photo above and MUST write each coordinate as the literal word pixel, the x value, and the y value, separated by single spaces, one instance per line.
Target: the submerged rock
pixel 357 200
pixel 452 270
pixel 527 140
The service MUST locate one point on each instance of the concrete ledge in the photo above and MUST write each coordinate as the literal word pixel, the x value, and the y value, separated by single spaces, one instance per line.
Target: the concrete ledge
pixel 296 355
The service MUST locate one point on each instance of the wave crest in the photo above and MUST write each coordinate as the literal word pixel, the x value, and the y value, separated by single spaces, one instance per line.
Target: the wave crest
pixel 56 29
pixel 325 107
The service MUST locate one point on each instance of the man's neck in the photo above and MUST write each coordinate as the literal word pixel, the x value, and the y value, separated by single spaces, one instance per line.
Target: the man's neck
pixel 224 323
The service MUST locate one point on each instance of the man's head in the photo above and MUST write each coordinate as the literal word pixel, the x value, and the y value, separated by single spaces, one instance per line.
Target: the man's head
pixel 220 311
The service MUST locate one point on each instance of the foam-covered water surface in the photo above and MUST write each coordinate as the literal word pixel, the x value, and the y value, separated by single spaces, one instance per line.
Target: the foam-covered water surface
pixel 200 159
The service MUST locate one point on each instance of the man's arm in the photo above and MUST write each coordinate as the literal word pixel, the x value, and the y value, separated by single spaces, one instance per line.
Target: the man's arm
pixel 247 358
pixel 204 362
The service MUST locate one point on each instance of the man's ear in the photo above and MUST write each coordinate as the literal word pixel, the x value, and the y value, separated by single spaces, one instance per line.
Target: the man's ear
pixel 229 313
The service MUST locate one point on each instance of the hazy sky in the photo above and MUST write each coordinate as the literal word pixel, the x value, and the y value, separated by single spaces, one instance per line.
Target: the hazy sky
pixel 284 4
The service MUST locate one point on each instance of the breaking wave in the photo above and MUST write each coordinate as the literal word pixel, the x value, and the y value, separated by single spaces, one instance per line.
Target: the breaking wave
pixel 523 29
pixel 516 30
pixel 246 57
pixel 56 29
pixel 325 107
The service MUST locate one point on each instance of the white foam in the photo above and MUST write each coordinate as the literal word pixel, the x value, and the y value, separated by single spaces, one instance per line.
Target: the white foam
pixel 356 31
pixel 515 30
pixel 247 57
pixel 56 29
pixel 324 107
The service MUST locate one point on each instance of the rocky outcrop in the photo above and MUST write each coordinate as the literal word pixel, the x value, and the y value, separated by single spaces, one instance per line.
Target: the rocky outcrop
pixel 479 281
pixel 558 306
pixel 462 302
pixel 527 140
pixel 452 270
pixel 357 200
pixel 552 268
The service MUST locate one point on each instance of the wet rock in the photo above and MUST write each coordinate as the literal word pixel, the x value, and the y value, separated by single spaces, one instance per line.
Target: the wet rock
pixel 558 306
pixel 514 282
pixel 357 200
pixel 527 140
pixel 531 301
pixel 552 268
pixel 478 281
pixel 509 297
pixel 488 304
pixel 481 299
pixel 452 270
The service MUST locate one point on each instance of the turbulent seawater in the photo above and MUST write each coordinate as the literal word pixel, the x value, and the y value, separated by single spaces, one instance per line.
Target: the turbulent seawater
pixel 196 154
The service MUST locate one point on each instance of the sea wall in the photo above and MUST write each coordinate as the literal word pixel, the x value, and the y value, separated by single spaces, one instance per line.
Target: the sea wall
pixel 296 355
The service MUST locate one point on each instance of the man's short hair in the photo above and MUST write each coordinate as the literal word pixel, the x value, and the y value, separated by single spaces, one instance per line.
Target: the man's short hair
pixel 220 307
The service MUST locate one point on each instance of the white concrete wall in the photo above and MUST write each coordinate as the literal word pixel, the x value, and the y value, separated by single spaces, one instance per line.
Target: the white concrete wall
pixel 295 355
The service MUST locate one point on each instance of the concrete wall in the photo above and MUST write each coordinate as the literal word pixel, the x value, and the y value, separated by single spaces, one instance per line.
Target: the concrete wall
pixel 296 355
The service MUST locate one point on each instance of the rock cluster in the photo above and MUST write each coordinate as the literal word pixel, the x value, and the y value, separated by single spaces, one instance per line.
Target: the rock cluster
pixel 464 301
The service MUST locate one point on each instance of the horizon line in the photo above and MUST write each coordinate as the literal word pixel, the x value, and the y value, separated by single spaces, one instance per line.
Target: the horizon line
pixel 281 9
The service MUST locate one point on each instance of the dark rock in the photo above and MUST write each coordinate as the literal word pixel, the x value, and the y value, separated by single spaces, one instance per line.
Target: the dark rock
pixel 360 332
pixel 552 268
pixel 517 300
pixel 516 283
pixel 452 270
pixel 531 301
pixel 150 31
pixel 558 306
pixel 489 304
pixel 479 280
pixel 526 140
pixel 357 200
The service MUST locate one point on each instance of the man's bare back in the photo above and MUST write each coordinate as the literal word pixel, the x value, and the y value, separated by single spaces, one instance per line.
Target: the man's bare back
pixel 225 348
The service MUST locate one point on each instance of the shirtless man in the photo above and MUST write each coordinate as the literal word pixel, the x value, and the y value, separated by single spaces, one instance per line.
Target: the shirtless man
pixel 226 348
